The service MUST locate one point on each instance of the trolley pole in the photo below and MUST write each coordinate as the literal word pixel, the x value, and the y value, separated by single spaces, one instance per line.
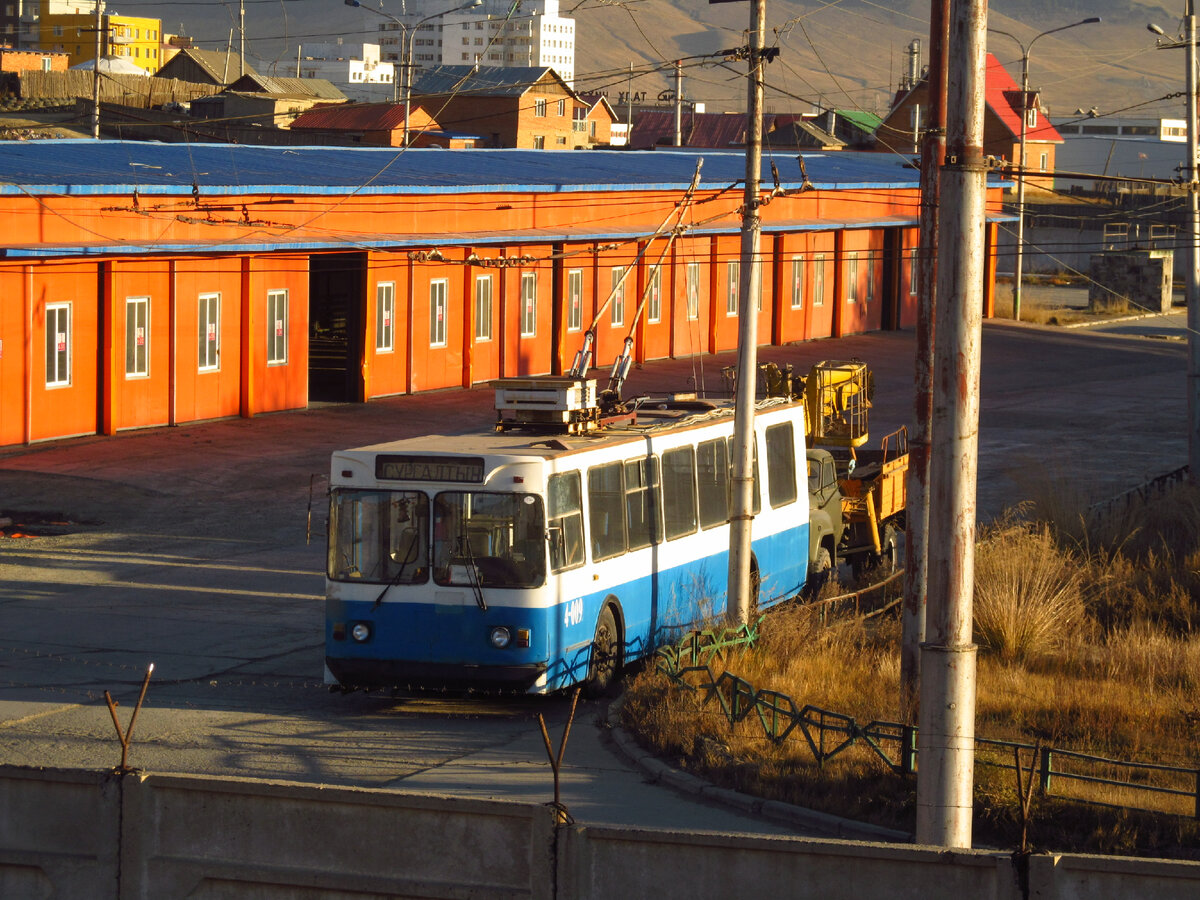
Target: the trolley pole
pixel 946 738
pixel 916 539
pixel 749 289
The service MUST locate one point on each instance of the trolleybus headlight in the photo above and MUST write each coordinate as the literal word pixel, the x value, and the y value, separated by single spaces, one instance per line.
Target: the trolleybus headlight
pixel 361 632
pixel 500 636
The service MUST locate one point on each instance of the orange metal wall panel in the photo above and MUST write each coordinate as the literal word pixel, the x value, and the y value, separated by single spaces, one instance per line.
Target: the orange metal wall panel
pixel 819 312
pixel 70 408
pixel 862 278
pixel 573 333
pixel 485 347
pixel 386 370
pixel 690 331
pixel 908 278
pixel 437 327
pixel 725 323
pixel 15 351
pixel 610 335
pixel 140 395
pixel 272 386
pixel 213 392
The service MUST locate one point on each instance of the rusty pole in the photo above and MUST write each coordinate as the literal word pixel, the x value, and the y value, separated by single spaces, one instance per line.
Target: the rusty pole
pixel 738 602
pixel 916 544
pixel 946 741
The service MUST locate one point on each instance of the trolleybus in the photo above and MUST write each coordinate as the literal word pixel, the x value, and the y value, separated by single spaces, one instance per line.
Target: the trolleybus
pixel 524 561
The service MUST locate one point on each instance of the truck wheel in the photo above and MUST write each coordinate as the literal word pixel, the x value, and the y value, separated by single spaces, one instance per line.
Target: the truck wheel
pixel 888 560
pixel 606 656
pixel 819 572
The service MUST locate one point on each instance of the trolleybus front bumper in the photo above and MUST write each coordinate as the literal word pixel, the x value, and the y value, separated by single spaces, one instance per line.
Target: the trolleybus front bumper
pixel 387 674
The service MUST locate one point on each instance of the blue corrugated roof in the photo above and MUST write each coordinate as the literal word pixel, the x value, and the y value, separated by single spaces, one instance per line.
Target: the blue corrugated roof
pixel 120 167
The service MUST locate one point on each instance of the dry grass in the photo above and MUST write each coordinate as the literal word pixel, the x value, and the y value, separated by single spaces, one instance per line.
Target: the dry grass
pixel 1092 647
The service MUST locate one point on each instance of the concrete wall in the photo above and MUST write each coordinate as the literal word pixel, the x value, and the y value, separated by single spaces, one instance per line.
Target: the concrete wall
pixel 84 835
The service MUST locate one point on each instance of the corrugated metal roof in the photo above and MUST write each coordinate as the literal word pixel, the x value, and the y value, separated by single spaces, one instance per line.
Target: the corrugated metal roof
pixel 252 82
pixel 353 117
pixel 716 130
pixel 120 167
pixel 221 67
pixel 479 81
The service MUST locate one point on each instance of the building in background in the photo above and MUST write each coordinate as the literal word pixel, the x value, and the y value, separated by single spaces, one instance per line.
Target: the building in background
pixel 357 69
pixel 137 39
pixel 19 19
pixel 498 34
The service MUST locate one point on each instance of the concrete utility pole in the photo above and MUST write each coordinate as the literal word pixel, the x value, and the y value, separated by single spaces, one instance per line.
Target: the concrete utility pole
pixel 96 72
pixel 749 289
pixel 1188 40
pixel 916 538
pixel 946 739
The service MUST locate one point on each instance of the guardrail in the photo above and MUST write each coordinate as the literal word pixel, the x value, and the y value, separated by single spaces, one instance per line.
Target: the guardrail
pixel 829 733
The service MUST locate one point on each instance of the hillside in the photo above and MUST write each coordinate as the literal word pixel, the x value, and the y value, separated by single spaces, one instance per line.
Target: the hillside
pixel 848 54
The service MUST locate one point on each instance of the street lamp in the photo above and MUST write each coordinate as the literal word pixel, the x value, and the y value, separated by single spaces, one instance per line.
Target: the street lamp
pixel 1188 39
pixel 408 34
pixel 1025 49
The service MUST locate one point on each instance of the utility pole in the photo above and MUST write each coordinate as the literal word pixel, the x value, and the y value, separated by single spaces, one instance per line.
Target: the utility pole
pixel 916 538
pixel 241 38
pixel 749 288
pixel 678 103
pixel 96 72
pixel 946 737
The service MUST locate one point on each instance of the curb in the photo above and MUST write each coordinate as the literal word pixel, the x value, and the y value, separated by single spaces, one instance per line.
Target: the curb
pixel 798 817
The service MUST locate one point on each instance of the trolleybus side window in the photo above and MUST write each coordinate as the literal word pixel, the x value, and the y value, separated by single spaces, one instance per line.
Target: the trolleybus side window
pixel 679 491
pixel 564 514
pixel 379 536
pixel 488 540
pixel 643 512
pixel 712 471
pixel 606 510
pixel 781 464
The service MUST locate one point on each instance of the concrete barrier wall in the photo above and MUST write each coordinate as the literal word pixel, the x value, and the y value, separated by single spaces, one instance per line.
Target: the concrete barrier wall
pixel 84 835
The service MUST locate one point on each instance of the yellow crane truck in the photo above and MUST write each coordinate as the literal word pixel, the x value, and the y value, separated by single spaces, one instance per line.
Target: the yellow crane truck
pixel 857 495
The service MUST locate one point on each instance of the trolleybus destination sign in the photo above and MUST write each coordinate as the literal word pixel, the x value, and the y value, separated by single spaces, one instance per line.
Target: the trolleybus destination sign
pixel 429 468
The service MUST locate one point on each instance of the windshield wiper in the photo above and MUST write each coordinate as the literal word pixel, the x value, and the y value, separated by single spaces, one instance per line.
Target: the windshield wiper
pixel 464 543
pixel 395 579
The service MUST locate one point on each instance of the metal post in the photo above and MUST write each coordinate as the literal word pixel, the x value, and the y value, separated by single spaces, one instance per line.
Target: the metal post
pixel 96 73
pixel 241 38
pixel 749 287
pixel 1193 282
pixel 916 538
pixel 678 103
pixel 406 56
pixel 945 773
pixel 1019 256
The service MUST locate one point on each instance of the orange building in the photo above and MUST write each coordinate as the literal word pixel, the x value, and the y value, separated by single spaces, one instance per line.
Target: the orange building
pixel 145 284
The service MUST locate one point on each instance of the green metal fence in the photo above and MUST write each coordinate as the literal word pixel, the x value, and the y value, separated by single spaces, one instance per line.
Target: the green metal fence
pixel 829 733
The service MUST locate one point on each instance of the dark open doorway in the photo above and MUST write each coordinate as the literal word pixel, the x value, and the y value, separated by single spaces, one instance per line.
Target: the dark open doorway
pixel 336 285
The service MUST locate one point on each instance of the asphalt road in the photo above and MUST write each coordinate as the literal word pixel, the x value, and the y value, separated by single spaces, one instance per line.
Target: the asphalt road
pixel 186 547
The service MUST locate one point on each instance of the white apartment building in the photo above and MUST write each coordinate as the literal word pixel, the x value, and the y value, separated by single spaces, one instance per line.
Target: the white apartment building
pixel 19 18
pixel 532 35
pixel 356 69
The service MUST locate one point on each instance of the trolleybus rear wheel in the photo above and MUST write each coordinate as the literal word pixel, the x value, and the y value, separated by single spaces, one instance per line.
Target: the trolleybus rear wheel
pixel 606 656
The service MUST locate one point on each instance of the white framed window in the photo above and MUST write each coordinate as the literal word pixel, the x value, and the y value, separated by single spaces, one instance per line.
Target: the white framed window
pixel 208 349
pixel 733 282
pixel 58 344
pixel 539 142
pixel 574 299
pixel 852 277
pixel 385 317
pixel 616 307
pixel 137 337
pixel 539 108
pixel 654 295
pixel 797 282
pixel 528 304
pixel 870 293
pixel 1043 162
pixel 562 107
pixel 692 288
pixel 818 279
pixel 437 312
pixel 912 272
pixel 483 307
pixel 277 327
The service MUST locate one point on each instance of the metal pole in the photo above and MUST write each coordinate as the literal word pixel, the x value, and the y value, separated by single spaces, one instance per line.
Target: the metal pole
pixel 1193 283
pixel 241 38
pixel 1019 257
pixel 916 538
pixel 406 55
pixel 749 287
pixel 946 767
pixel 96 73
pixel 678 103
